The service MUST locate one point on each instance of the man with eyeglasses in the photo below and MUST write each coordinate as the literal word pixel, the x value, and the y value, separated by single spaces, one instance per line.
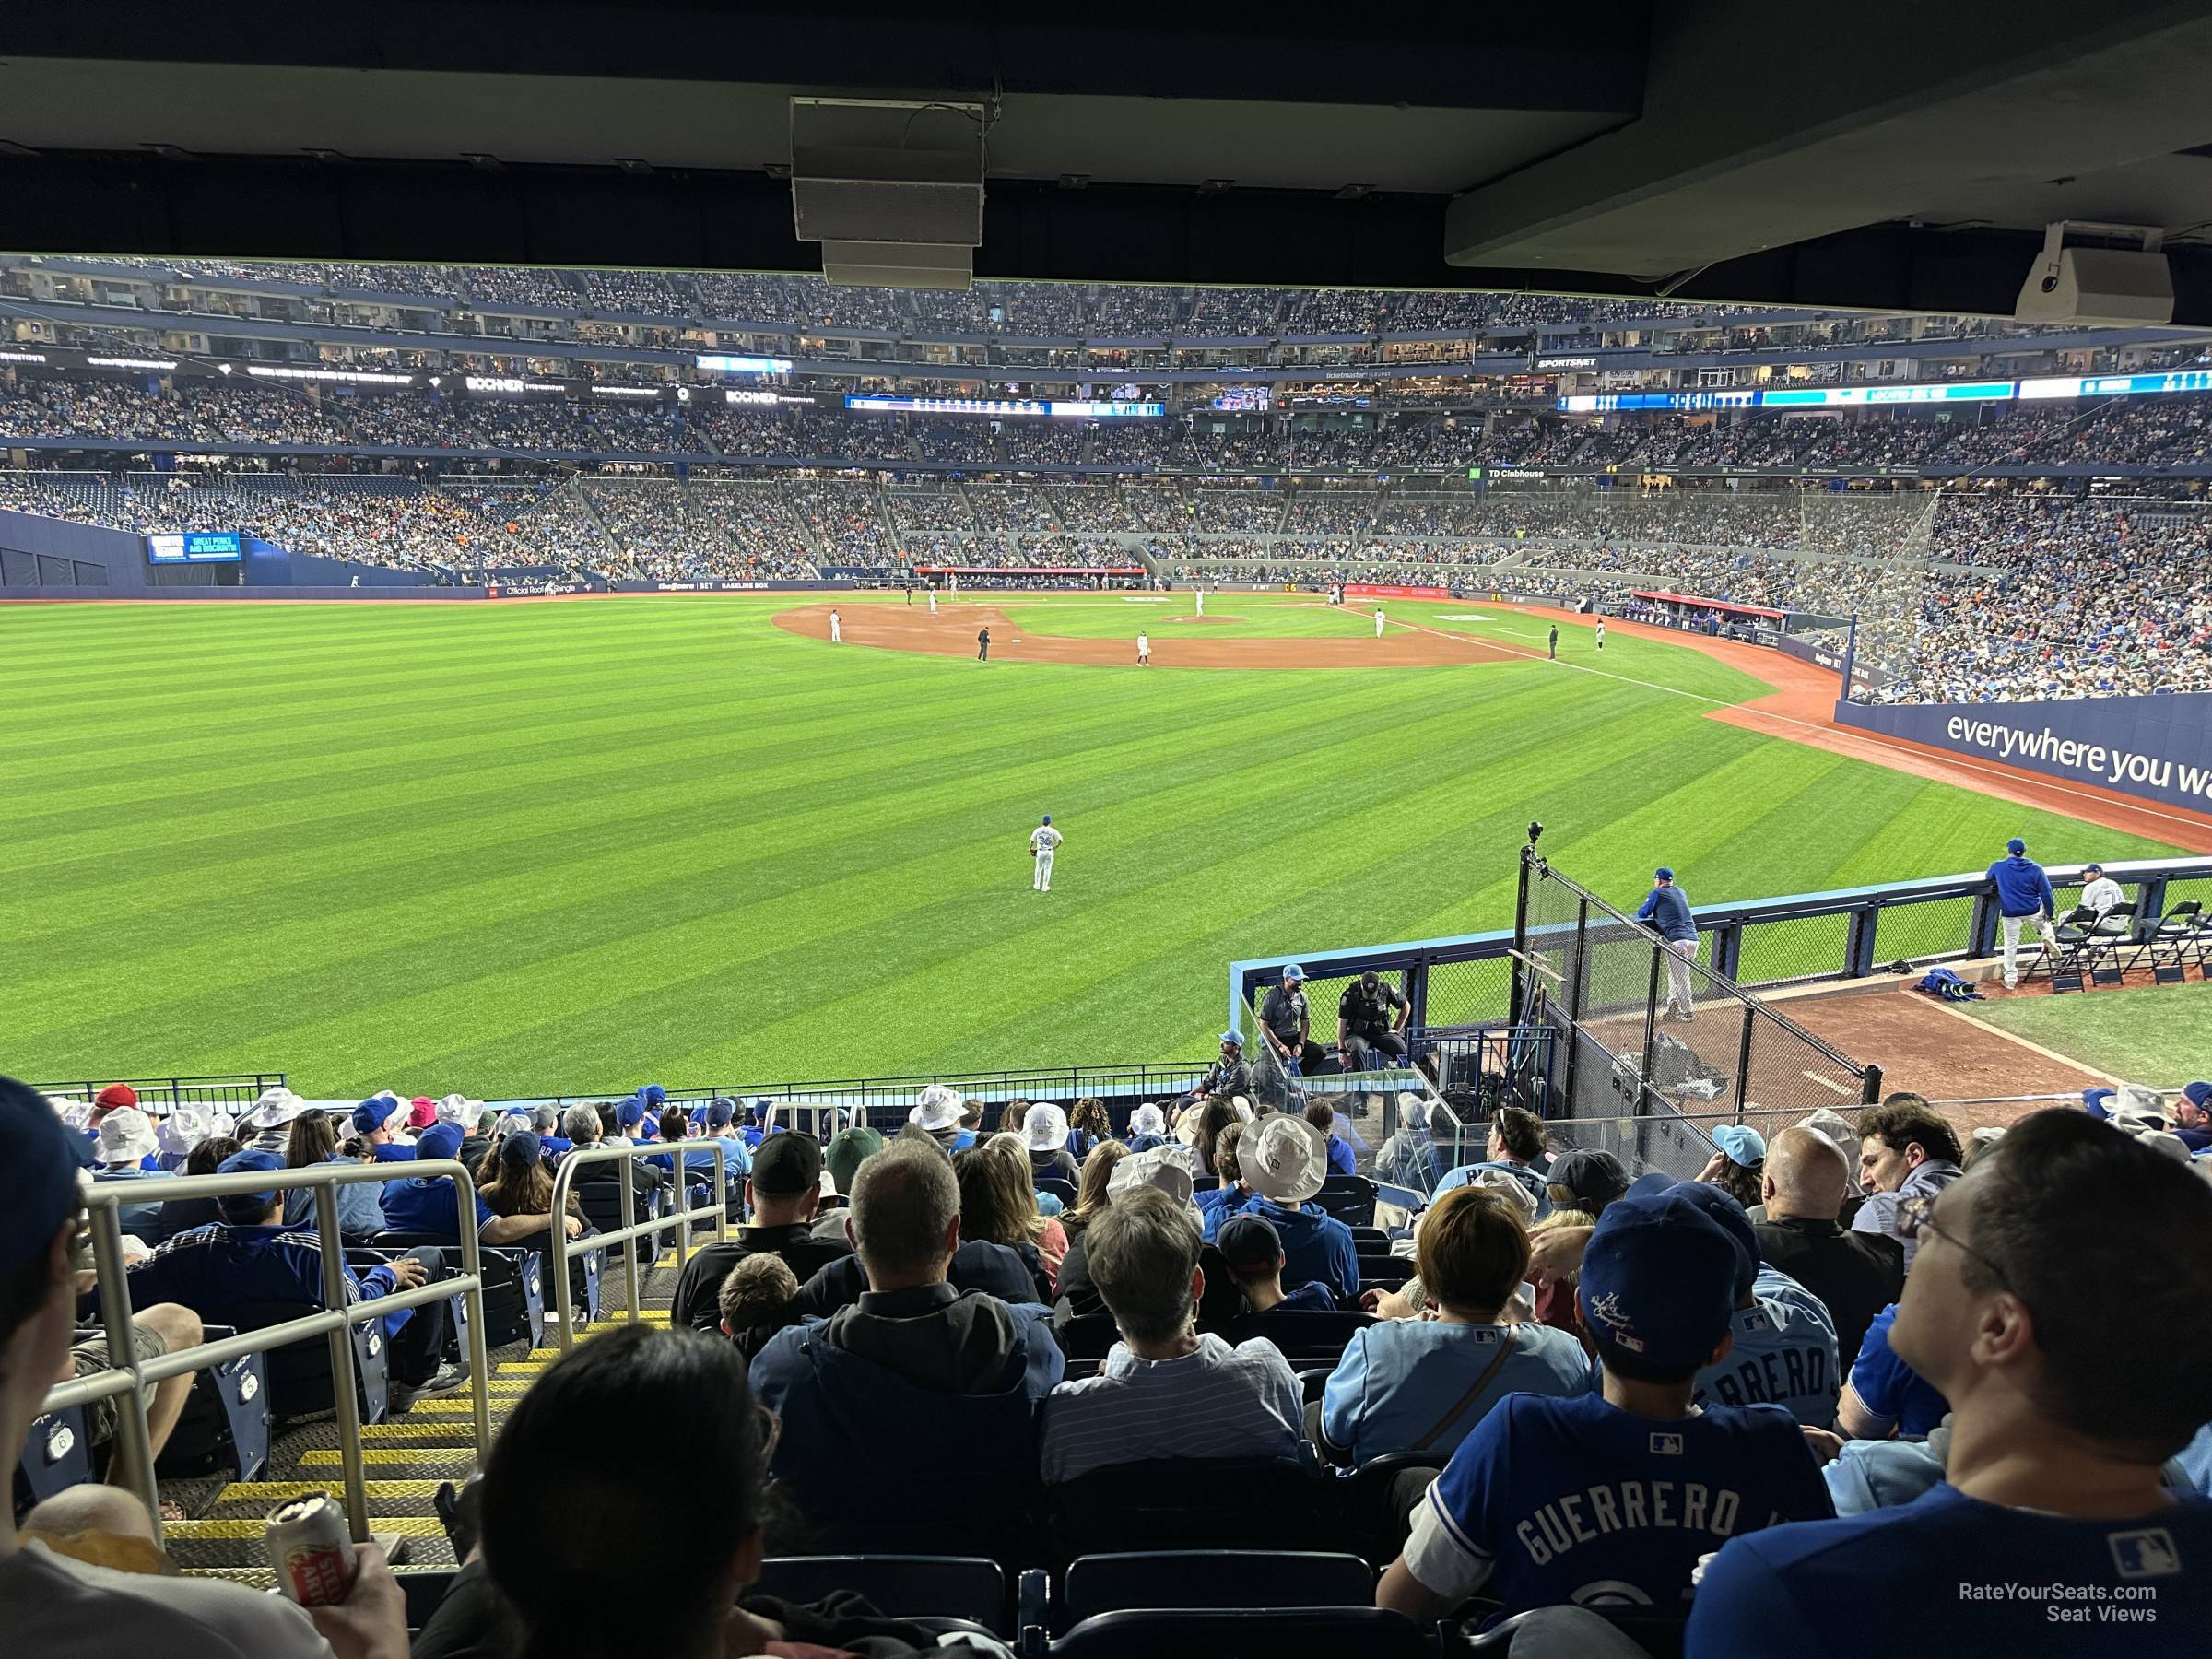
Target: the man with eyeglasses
pixel 2058 1301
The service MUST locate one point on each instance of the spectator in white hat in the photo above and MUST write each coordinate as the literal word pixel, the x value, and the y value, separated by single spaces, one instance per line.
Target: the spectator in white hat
pixel 125 1152
pixel 458 1108
pixel 268 1128
pixel 1284 1160
pixel 1165 1169
pixel 1044 1132
pixel 1147 1128
pixel 185 1128
pixel 938 1114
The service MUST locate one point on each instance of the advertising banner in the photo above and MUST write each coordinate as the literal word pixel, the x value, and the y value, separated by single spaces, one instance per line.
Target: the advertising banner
pixel 2158 749
pixel 1363 590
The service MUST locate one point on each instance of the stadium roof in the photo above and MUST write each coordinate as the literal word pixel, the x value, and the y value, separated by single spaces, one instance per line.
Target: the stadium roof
pixel 1891 154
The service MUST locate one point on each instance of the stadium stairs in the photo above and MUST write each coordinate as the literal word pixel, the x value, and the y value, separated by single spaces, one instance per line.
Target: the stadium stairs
pixel 407 1458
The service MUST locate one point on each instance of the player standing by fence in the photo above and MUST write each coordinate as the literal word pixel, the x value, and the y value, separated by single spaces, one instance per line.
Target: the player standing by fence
pixel 2023 895
pixel 1667 911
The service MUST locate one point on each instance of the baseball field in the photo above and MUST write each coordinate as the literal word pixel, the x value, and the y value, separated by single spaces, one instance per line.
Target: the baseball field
pixel 565 846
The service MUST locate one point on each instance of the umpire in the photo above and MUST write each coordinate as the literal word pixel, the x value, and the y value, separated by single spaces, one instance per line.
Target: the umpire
pixel 1371 1019
pixel 1285 1022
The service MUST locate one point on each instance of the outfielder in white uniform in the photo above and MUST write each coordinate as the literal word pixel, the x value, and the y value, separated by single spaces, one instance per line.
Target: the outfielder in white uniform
pixel 836 638
pixel 1144 650
pixel 1601 635
pixel 1042 841
pixel 933 601
pixel 1200 596
pixel 1378 621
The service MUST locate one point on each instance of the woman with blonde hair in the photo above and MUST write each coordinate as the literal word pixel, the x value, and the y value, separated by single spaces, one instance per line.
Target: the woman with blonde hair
pixel 1090 1196
pixel 998 1205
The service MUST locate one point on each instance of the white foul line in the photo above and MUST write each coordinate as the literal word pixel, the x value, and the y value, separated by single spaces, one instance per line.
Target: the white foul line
pixel 1827 1083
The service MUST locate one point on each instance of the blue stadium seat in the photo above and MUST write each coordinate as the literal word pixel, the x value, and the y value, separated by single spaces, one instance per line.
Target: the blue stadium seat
pixel 1205 1578
pixel 1244 1633
pixel 299 1378
pixel 425 1588
pixel 1364 1236
pixel 900 1586
pixel 57 1454
pixel 225 1423
pixel 1349 1198
pixel 1658 1634
pixel 1373 1501
pixel 1313 1380
pixel 514 1302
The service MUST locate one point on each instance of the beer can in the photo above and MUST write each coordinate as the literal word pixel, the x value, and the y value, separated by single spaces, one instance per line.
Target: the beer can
pixel 310 1549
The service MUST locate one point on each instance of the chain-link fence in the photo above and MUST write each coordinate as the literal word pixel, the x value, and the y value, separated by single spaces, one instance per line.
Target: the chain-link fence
pixel 1658 1045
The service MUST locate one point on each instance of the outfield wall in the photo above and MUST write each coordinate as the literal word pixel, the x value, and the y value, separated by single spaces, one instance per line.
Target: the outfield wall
pixel 2158 748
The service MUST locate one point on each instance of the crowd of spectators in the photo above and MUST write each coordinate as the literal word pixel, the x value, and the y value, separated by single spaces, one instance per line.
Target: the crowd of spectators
pixel 1620 1408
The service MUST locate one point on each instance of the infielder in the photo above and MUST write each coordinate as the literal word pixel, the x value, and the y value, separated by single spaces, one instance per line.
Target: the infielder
pixel 2023 896
pixel 1667 910
pixel 1199 594
pixel 1378 621
pixel 1144 650
pixel 836 638
pixel 933 601
pixel 1043 840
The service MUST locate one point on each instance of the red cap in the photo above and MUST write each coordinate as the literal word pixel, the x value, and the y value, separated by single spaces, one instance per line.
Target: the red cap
pixel 422 1111
pixel 115 1094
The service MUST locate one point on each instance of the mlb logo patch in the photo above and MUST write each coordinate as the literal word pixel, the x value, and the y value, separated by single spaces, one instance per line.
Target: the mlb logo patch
pixel 1484 1334
pixel 1667 1445
pixel 2147 1553
pixel 1757 1321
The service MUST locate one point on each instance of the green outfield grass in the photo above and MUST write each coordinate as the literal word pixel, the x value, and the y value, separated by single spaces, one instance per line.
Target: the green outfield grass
pixel 2155 1035
pixel 572 846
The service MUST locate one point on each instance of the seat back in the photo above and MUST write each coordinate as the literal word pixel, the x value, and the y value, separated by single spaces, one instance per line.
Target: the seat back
pixel 1086 1336
pixel 1176 1503
pixel 1216 1632
pixel 57 1454
pixel 1349 1198
pixel 225 1423
pixel 899 1586
pixel 514 1302
pixel 1203 1578
pixel 1304 1339
pixel 1384 1271
pixel 298 1377
pixel 1060 1187
pixel 1364 1236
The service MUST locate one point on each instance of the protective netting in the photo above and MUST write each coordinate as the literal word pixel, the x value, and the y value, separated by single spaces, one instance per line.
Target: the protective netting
pixel 1634 1075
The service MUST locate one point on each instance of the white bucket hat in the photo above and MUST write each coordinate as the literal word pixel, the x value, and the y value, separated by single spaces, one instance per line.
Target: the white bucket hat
pixel 940 1108
pixel 185 1128
pixel 1284 1158
pixel 275 1110
pixel 1147 1120
pixel 1044 1127
pixel 1166 1169
pixel 127 1135
pixel 458 1108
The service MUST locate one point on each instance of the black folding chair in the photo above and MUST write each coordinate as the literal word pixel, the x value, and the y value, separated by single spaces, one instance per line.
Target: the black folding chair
pixel 2175 940
pixel 2070 961
pixel 2114 932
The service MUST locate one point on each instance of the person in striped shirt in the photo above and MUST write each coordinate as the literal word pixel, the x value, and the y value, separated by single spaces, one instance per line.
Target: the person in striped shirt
pixel 1166 1391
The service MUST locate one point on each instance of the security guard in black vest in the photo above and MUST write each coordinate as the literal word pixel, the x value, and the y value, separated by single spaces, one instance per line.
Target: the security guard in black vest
pixel 1370 1021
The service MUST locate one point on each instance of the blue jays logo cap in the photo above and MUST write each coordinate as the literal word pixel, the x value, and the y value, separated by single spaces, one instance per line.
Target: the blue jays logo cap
pixel 1658 1277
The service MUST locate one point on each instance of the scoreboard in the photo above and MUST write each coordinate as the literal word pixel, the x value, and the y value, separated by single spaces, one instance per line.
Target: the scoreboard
pixel 196 546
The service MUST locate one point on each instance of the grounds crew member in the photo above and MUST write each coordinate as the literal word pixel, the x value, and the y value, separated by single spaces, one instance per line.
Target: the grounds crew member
pixel 1370 1016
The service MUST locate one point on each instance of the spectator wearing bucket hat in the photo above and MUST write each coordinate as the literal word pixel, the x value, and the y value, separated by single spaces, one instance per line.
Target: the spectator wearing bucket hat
pixel 1147 1128
pixel 938 1114
pixel 1614 1495
pixel 1286 1023
pixel 1045 1134
pixel 125 1149
pixel 184 1128
pixel 1284 1160
pixel 1167 1169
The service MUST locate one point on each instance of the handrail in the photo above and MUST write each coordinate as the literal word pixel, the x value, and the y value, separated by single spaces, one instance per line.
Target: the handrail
pixel 127 1374
pixel 564 1182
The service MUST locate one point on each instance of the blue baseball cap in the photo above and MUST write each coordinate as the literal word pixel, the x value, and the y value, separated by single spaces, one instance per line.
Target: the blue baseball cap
pixel 654 1095
pixel 630 1113
pixel 2015 846
pixel 1293 971
pixel 1662 874
pixel 439 1141
pixel 243 1209
pixel 39 1176
pixel 721 1112
pixel 375 1112
pixel 520 1149
pixel 1235 1037
pixel 1744 1145
pixel 1048 817
pixel 1658 1277
pixel 2198 1094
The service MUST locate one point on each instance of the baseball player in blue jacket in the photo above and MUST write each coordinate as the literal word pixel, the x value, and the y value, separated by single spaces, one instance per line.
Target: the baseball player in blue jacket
pixel 2023 895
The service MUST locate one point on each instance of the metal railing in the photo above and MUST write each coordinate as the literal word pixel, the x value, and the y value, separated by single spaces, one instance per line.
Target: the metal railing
pixel 560 1248
pixel 228 1089
pixel 1799 938
pixel 128 1376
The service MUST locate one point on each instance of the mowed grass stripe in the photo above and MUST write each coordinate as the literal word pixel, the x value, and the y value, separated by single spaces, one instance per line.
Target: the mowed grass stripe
pixel 529 913
pixel 438 960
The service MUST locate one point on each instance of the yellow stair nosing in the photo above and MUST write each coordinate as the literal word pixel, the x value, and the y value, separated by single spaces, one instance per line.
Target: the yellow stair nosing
pixel 320 1459
pixel 276 1491
pixel 412 1526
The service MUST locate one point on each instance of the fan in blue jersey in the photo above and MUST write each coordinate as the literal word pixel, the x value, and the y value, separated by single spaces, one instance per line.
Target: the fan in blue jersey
pixel 2058 1301
pixel 1608 1500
